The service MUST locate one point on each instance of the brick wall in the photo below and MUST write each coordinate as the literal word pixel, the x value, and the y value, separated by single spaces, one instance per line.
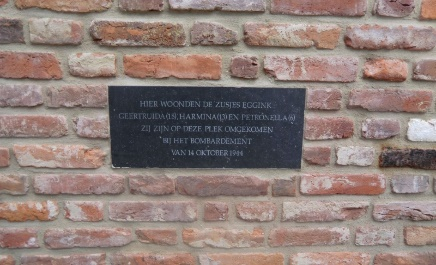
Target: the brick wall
pixel 366 190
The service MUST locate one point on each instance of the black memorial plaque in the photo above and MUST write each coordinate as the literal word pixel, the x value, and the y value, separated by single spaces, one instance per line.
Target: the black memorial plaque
pixel 206 127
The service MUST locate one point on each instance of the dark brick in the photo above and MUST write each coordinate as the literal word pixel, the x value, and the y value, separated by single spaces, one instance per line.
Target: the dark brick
pixel 141 5
pixel 244 66
pixel 11 31
pixel 284 187
pixel 414 158
pixel 205 33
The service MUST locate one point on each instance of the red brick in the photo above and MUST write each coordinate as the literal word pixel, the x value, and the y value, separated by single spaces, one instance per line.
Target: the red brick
pixel 323 211
pixel 393 70
pixel 87 96
pixel 153 259
pixel 18 238
pixel 194 66
pixel 164 237
pixel 315 69
pixel 284 187
pixel 59 156
pixel 216 211
pixel 317 128
pixel 33 126
pixel 79 6
pixel 323 99
pixel 330 258
pixel 84 211
pixel 313 7
pixel 55 31
pixel 317 155
pixel 322 36
pixel 224 5
pixel 406 184
pixel 92 65
pixel 380 128
pixel 78 184
pixel 91 259
pixel 153 211
pixel 373 37
pixel 3 2
pixel 405 258
pixel 221 185
pixel 223 238
pixel 244 66
pixel 11 30
pixel 4 157
pixel 242 258
pixel 406 210
pixel 420 235
pixel 87 237
pixel 150 185
pixel 6 259
pixel 20 95
pixel 29 65
pixel 88 127
pixel 374 236
pixel 207 33
pixel 428 9
pixel 140 5
pixel 284 237
pixel 29 211
pixel 393 100
pixel 425 70
pixel 359 184
pixel 13 184
pixel 256 211
pixel 399 8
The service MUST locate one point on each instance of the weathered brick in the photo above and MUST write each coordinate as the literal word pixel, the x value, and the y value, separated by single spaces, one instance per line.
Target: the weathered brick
pixel 410 183
pixel 153 211
pixel 6 259
pixel 165 237
pixel 79 6
pixel 284 187
pixel 317 155
pixel 4 157
pixel 394 100
pixel 284 237
pixel 20 95
pixel 322 36
pixel 405 258
pixel 420 235
pixel 150 185
pixel 13 184
pixel 373 37
pixel 349 184
pixel 319 69
pixel 323 99
pixel 221 185
pixel 428 9
pixel 374 236
pixel 33 126
pixel 425 70
pixel 256 211
pixel 88 259
pixel 140 5
pixel 153 259
pixel 313 7
pixel 323 211
pixel 378 128
pixel 207 33
pixel 122 33
pixel 421 131
pixel 87 237
pixel 59 156
pixel 414 158
pixel 3 2
pixel 92 65
pixel 31 65
pixel 11 30
pixel 223 238
pixel 76 184
pixel 408 210
pixel 355 155
pixel 84 211
pixel 394 70
pixel 18 238
pixel 88 127
pixel 194 66
pixel 244 66
pixel 241 258
pixel 398 8
pixel 55 31
pixel 216 211
pixel 29 211
pixel 222 5
pixel 86 96
pixel 325 128
pixel 330 258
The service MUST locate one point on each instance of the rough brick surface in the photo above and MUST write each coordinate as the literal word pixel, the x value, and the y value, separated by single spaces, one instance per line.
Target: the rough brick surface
pixel 242 258
pixel 59 156
pixel 87 237
pixel 206 33
pixel 221 185
pixel 173 211
pixel 317 128
pixel 410 183
pixel 373 37
pixel 323 211
pixel 363 184
pixel 330 258
pixel 150 185
pixel 11 30
pixel 416 211
pixel 323 99
pixel 428 9
pixel 244 66
pixel 94 259
pixel 29 211
pixel 317 155
pixel 180 66
pixel 319 69
pixel 18 238
pixel 378 128
pixel 425 70
pixel 154 34
pixel 284 237
pixel 3 2
pixel 374 236
pixel 55 31
pixel 140 5
pixel 414 158
pixel 20 95
pixel 13 184
pixel 29 65
pixel 153 259
pixel 284 187
pixel 84 211
pixel 6 259
pixel 224 5
pixel 165 237
pixel 80 6
pixel 394 70
pixel 398 8
pixel 355 155
pixel 256 211
pixel 420 235
pixel 87 96
pixel 88 127
pixel 33 126
pixel 314 7
pixel 402 258
pixel 421 131
pixel 216 211
pixel 394 100
pixel 223 238
pixel 92 64
pixel 4 157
